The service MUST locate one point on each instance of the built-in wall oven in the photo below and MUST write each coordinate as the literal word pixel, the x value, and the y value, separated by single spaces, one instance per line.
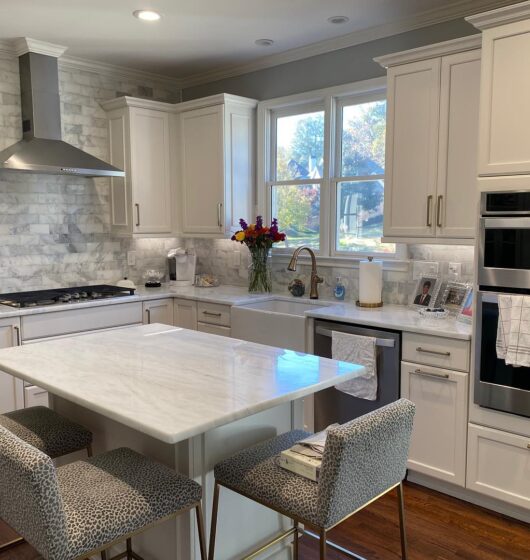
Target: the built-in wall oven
pixel 503 268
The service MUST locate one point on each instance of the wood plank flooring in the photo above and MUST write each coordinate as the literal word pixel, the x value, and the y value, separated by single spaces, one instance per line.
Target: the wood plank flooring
pixel 438 527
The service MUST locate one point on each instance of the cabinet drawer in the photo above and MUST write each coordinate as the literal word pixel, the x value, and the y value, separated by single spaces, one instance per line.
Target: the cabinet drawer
pixel 214 314
pixel 213 329
pixel 498 465
pixel 35 396
pixel 448 353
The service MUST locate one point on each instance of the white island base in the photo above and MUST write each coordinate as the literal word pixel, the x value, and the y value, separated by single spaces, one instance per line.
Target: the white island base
pixel 242 524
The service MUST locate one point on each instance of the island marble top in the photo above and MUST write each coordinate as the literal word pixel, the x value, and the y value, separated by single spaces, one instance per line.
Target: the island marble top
pixel 172 383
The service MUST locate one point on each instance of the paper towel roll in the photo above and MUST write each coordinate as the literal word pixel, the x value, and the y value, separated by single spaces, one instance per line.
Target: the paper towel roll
pixel 370 281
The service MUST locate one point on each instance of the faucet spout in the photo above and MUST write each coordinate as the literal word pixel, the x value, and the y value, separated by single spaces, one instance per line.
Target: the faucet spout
pixel 315 278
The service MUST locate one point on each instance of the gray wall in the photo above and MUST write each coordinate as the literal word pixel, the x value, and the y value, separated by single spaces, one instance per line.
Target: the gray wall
pixel 334 68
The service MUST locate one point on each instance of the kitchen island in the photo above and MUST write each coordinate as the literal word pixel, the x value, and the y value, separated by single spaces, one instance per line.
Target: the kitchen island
pixel 184 398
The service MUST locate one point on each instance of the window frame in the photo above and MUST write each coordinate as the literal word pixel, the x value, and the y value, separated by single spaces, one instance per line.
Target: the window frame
pixel 332 100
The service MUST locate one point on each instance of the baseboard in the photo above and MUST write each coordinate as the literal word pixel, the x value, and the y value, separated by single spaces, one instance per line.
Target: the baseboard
pixel 470 496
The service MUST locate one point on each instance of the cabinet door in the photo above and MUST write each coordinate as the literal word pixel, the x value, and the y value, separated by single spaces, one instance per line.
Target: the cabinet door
pixel 150 171
pixel 202 170
pixel 412 149
pixel 11 389
pixel 457 192
pixel 213 329
pixel 158 311
pixel 438 445
pixel 504 109
pixel 499 465
pixel 185 313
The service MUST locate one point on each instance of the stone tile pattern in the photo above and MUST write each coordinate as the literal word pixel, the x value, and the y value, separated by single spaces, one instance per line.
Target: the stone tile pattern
pixel 55 231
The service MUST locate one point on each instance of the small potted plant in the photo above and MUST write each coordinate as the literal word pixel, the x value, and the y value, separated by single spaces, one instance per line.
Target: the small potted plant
pixel 259 239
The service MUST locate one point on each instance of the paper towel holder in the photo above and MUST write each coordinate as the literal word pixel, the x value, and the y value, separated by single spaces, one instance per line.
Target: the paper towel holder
pixel 369 305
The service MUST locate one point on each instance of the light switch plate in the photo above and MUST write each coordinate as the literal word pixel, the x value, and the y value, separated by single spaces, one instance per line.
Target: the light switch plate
pixel 236 258
pixel 131 258
pixel 425 268
pixel 455 269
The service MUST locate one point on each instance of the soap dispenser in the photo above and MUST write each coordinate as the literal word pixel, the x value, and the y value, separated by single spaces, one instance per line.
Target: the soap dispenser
pixel 339 291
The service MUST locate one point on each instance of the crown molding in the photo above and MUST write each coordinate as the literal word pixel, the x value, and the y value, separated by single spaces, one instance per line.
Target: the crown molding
pixel 456 10
pixel 23 45
pixel 500 16
pixel 472 42
pixel 140 103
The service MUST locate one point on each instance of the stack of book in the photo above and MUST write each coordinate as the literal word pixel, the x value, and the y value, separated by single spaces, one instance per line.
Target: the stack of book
pixel 305 457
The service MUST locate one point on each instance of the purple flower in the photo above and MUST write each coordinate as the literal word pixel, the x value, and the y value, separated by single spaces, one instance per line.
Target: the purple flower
pixel 259 222
pixel 243 224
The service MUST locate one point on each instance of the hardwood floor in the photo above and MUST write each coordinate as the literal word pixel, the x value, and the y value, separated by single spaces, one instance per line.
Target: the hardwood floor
pixel 438 527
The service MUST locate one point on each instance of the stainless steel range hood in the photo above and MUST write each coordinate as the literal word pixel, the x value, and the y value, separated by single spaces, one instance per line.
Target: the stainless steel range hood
pixel 41 149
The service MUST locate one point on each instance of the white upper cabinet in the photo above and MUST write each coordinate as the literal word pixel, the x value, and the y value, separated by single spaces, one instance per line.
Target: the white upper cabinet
pixel 431 143
pixel 216 164
pixel 139 137
pixel 504 147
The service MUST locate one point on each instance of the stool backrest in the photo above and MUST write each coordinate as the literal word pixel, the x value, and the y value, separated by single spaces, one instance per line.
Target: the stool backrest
pixel 364 458
pixel 29 496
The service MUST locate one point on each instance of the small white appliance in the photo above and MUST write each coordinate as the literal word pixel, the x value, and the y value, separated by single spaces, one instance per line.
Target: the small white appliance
pixel 181 263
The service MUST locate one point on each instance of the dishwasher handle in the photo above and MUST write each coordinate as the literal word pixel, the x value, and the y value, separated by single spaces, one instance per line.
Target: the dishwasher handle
pixel 381 342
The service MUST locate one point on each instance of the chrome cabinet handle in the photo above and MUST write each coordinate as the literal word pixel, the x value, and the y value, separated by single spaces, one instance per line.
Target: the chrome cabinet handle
pixel 210 314
pixel 137 206
pixel 429 207
pixel 431 374
pixel 219 218
pixel 17 331
pixel 436 352
pixel 439 206
pixel 148 311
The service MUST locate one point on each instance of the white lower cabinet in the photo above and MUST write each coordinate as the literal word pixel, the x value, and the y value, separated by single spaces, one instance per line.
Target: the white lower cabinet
pixel 158 311
pixel 213 329
pixel 498 465
pixel 185 313
pixel 35 396
pixel 11 389
pixel 438 445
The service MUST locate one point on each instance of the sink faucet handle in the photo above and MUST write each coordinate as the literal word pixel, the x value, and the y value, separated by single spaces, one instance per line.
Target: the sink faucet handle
pixel 318 279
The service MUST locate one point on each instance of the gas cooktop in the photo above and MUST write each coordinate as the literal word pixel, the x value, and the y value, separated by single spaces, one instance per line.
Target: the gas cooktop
pixel 64 295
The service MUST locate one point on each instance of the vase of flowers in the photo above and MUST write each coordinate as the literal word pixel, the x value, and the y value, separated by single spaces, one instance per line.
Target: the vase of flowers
pixel 259 239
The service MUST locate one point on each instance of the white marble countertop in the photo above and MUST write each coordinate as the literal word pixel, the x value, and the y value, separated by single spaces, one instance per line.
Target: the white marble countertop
pixel 399 317
pixel 172 383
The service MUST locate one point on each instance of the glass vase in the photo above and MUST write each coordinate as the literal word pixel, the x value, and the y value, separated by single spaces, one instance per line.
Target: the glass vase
pixel 259 272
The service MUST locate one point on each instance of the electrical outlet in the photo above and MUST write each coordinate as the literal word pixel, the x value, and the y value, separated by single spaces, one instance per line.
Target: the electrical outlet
pixel 131 258
pixel 455 269
pixel 236 258
pixel 424 268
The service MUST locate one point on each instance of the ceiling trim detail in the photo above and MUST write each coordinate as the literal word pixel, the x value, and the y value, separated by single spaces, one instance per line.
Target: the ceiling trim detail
pixel 502 16
pixel 456 10
pixel 23 45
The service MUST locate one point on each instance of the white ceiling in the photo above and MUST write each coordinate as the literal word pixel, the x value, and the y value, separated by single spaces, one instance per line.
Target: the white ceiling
pixel 197 36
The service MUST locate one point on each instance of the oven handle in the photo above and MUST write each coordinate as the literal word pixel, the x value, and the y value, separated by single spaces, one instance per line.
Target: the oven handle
pixel 384 342
pixel 505 223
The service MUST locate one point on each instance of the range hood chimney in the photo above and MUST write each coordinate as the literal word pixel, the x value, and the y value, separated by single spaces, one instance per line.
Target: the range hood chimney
pixel 41 149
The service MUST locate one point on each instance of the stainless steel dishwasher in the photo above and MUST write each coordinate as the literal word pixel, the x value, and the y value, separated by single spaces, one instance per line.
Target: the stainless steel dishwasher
pixel 332 405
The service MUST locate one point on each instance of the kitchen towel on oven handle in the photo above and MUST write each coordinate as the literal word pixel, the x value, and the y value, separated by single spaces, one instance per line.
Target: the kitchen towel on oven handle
pixel 360 350
pixel 513 330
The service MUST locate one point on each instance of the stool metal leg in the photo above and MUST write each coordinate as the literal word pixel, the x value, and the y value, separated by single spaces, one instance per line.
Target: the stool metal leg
pixel 323 544
pixel 89 450
pixel 295 541
pixel 402 528
pixel 200 530
pixel 128 544
pixel 213 525
pixel 103 555
pixel 13 542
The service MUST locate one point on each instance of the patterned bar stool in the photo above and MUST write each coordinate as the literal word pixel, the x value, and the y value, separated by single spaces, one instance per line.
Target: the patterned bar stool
pixel 79 509
pixel 363 460
pixel 48 431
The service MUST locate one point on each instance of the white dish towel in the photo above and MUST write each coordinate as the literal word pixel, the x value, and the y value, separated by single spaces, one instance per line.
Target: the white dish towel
pixel 513 330
pixel 360 350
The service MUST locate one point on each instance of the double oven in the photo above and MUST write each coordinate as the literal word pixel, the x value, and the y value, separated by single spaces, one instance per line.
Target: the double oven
pixel 503 268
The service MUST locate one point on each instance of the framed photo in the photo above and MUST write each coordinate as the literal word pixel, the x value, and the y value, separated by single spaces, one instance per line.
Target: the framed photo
pixel 452 296
pixel 466 311
pixel 425 292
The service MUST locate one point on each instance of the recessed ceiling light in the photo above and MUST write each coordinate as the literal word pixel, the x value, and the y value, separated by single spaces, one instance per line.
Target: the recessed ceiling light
pixel 337 20
pixel 147 15
pixel 264 42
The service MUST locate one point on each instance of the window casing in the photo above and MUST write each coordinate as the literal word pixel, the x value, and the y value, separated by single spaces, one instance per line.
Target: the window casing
pixel 349 197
